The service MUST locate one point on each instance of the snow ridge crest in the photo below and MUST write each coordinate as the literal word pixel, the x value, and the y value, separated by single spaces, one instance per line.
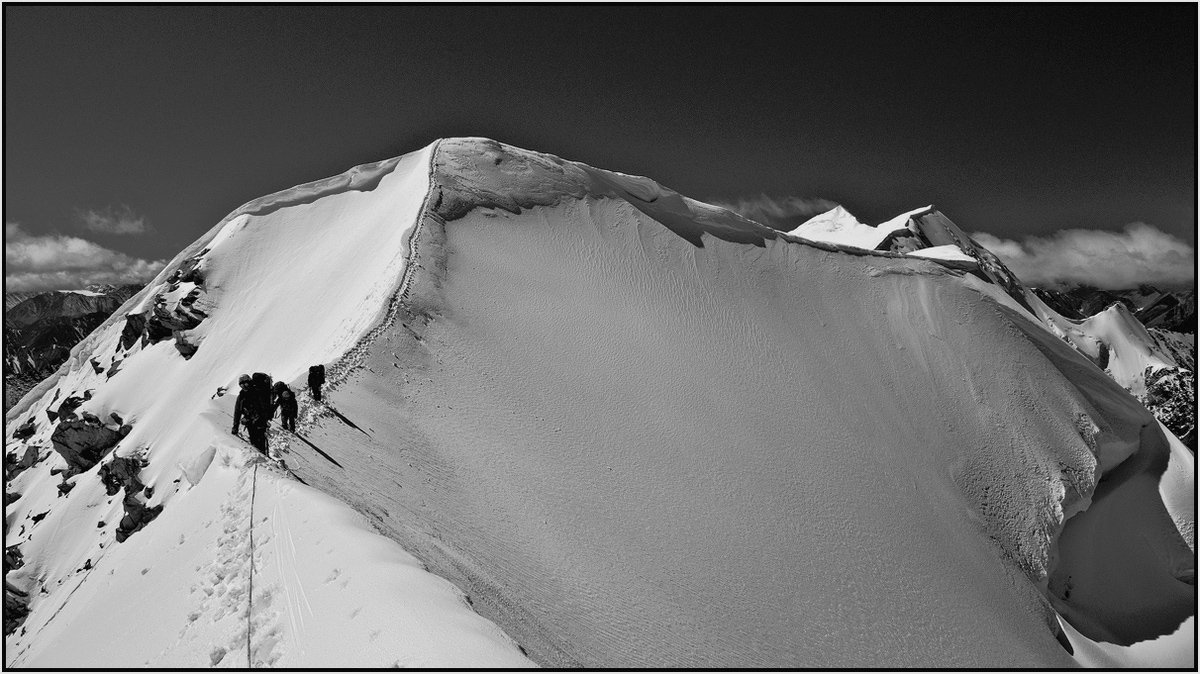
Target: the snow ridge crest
pixel 471 173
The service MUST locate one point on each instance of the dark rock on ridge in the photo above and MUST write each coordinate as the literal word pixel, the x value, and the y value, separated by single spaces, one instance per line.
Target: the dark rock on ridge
pixel 84 442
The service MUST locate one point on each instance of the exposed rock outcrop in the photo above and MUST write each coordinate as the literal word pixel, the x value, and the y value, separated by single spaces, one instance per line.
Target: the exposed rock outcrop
pixel 16 608
pixel 25 430
pixel 65 486
pixel 16 601
pixel 14 466
pixel 122 473
pixel 179 305
pixel 185 348
pixel 135 328
pixel 67 409
pixel 137 516
pixel 1171 397
pixel 13 558
pixel 85 441
pixel 169 317
pixel 192 270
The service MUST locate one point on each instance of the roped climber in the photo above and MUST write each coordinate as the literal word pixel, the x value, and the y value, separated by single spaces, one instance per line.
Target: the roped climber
pixel 253 408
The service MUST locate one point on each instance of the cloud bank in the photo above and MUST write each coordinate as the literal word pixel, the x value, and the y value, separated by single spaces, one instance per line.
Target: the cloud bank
pixel 119 220
pixel 1111 260
pixel 56 262
pixel 781 213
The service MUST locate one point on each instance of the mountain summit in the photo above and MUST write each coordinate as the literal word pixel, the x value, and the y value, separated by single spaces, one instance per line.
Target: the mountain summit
pixel 573 417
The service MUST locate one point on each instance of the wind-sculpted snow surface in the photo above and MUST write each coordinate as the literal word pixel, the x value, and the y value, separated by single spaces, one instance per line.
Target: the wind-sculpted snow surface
pixel 632 429
pixel 480 173
pixel 636 443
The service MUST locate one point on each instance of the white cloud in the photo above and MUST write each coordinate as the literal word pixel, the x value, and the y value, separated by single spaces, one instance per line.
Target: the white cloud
pixel 1112 260
pixel 782 213
pixel 113 220
pixel 56 262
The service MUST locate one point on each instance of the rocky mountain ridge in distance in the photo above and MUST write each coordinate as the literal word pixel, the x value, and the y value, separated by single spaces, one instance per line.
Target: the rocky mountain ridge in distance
pixel 40 329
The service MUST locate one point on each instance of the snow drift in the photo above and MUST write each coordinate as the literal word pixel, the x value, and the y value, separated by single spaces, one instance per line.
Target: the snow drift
pixel 632 429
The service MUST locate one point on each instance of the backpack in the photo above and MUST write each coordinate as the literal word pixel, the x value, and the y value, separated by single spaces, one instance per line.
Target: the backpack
pixel 316 374
pixel 256 409
pixel 261 382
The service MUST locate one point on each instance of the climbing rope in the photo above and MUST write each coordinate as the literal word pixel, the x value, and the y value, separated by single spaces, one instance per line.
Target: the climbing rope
pixel 250 595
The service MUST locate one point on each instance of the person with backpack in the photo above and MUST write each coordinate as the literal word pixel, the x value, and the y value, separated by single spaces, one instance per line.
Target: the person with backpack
pixel 316 377
pixel 253 408
pixel 285 402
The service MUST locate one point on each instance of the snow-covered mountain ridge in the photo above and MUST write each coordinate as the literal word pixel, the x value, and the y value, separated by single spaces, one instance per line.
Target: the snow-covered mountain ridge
pixel 600 409
pixel 1157 366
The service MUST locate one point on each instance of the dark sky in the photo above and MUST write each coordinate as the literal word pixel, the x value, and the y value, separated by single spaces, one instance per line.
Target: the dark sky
pixel 1014 119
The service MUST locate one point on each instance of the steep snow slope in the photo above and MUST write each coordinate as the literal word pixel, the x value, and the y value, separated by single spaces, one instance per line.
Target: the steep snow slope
pixel 284 282
pixel 633 428
pixel 617 410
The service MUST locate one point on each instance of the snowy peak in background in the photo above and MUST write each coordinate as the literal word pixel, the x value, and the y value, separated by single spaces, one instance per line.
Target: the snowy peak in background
pixel 67 304
pixel 559 426
pixel 840 227
pixel 1142 351
pixel 923 232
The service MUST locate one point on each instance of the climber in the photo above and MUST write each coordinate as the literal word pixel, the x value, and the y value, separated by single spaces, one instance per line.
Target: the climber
pixel 285 401
pixel 253 408
pixel 316 377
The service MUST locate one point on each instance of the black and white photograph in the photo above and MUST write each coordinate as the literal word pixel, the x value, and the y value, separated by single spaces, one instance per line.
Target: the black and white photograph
pixel 618 336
